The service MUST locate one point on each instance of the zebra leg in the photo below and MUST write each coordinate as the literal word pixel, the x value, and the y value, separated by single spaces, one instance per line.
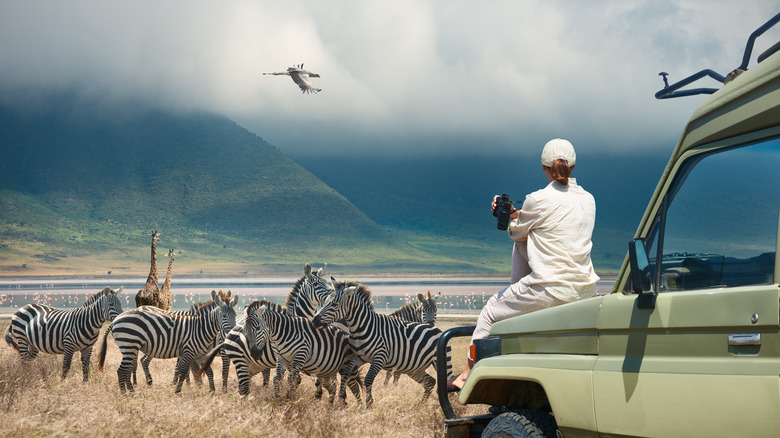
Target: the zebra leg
pixel 27 351
pixel 86 354
pixel 318 389
pixel 225 368
pixel 145 361
pixel 330 385
pixel 66 360
pixel 388 374
pixel 428 382
pixel 277 377
pixel 182 369
pixel 373 370
pixel 209 373
pixel 266 376
pixel 293 378
pixel 396 376
pixel 134 369
pixel 349 377
pixel 124 370
pixel 242 372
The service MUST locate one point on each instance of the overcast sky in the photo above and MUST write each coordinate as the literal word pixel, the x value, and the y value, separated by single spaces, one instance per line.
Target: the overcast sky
pixel 397 76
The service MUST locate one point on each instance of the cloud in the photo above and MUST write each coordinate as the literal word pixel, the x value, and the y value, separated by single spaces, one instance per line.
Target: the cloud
pixel 409 76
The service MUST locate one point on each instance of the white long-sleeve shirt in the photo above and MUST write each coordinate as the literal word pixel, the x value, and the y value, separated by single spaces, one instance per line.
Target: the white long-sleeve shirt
pixel 557 223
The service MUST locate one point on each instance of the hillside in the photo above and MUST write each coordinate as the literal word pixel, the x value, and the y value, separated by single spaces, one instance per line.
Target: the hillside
pixel 83 186
pixel 442 203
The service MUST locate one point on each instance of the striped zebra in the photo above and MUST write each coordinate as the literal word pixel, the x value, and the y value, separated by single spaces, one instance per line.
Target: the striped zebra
pixel 307 293
pixel 383 341
pixel 423 310
pixel 320 352
pixel 195 365
pixel 165 335
pixel 239 348
pixel 37 327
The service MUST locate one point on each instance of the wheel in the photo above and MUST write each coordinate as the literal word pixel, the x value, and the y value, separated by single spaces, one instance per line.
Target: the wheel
pixel 521 424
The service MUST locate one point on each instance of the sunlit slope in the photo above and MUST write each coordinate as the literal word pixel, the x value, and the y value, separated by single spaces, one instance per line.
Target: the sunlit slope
pixel 83 182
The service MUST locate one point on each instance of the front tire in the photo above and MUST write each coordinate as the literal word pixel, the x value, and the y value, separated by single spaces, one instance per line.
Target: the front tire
pixel 521 424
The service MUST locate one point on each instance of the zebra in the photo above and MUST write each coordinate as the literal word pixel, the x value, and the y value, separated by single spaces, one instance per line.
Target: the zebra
pixel 320 352
pixel 307 293
pixel 383 341
pixel 194 367
pixel 165 335
pixel 239 348
pixel 37 327
pixel 423 310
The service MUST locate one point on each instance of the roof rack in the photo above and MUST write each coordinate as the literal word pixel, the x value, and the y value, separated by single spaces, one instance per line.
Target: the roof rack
pixel 670 91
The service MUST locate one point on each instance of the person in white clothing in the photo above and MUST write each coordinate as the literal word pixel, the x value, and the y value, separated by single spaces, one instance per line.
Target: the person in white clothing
pixel 551 262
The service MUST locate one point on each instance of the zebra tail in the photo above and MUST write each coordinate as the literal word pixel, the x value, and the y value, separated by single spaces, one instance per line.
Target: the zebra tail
pixel 208 359
pixel 10 340
pixel 103 348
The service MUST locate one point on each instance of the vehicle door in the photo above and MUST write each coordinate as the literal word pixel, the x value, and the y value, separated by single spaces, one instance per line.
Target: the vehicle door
pixel 704 358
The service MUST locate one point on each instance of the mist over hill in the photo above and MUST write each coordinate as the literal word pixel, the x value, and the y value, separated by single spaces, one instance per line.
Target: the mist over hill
pixel 83 183
pixel 86 184
pixel 448 197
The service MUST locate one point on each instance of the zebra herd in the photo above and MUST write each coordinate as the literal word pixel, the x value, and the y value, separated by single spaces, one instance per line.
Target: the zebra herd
pixel 326 329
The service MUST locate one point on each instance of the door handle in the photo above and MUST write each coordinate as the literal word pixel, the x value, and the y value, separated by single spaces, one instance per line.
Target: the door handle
pixel 745 339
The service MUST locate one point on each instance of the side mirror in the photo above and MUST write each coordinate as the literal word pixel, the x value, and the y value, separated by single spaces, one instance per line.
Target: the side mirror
pixel 641 277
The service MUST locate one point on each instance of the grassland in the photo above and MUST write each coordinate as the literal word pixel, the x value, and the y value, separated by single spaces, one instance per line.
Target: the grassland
pixel 35 402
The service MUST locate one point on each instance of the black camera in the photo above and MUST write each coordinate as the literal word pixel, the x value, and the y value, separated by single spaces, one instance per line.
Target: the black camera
pixel 502 211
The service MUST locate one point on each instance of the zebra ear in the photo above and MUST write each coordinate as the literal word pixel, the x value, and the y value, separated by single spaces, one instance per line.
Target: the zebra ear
pixel 307 269
pixel 215 296
pixel 421 297
pixel 321 271
pixel 119 291
pixel 234 301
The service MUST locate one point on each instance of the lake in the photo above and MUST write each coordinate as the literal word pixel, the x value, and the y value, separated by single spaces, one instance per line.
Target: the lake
pixel 459 295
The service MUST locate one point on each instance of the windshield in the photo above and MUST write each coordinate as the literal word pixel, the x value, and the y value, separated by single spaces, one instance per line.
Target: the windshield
pixel 721 221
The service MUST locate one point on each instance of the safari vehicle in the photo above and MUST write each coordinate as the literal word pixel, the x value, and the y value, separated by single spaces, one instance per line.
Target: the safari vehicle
pixel 688 342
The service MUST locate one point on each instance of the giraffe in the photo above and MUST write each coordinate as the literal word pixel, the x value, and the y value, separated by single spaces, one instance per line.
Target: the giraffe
pixel 165 299
pixel 149 295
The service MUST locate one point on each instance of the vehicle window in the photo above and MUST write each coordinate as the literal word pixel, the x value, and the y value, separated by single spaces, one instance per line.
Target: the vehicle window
pixel 721 220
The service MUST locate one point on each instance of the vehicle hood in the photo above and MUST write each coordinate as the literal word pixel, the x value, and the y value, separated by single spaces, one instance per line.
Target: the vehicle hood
pixel 569 329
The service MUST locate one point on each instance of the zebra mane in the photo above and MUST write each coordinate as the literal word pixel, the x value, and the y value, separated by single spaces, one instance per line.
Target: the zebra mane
pixel 204 307
pixel 295 293
pixel 254 305
pixel 96 296
pixel 361 291
pixel 409 307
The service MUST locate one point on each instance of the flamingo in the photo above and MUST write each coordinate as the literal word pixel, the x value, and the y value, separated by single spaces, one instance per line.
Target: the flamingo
pixel 300 77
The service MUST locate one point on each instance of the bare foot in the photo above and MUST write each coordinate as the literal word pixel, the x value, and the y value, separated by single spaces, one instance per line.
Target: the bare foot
pixel 457 382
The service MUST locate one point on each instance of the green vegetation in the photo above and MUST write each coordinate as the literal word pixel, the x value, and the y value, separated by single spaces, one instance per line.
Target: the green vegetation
pixel 81 191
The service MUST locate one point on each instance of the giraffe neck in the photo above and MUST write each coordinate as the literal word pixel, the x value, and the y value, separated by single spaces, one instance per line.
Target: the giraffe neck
pixel 167 283
pixel 151 281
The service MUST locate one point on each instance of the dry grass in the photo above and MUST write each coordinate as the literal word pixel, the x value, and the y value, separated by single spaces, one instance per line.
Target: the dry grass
pixel 35 402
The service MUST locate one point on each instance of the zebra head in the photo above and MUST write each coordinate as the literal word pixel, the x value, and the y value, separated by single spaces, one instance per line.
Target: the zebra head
pixel 336 305
pixel 258 325
pixel 428 307
pixel 226 312
pixel 309 291
pixel 110 305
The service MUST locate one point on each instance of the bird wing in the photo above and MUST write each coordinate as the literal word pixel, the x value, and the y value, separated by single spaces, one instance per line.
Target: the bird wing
pixel 302 79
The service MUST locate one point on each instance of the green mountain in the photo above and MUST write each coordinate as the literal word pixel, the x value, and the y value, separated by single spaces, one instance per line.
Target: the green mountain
pixel 82 185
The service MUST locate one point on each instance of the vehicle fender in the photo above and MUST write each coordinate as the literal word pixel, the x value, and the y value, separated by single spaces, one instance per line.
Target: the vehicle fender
pixel 560 383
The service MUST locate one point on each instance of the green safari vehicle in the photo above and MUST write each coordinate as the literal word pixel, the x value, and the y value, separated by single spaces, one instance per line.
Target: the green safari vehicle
pixel 688 342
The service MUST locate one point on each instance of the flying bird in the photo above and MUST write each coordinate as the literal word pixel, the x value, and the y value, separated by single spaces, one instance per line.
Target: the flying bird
pixel 300 77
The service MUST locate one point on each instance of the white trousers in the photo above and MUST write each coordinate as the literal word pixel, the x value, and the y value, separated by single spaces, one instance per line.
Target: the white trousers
pixel 516 299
